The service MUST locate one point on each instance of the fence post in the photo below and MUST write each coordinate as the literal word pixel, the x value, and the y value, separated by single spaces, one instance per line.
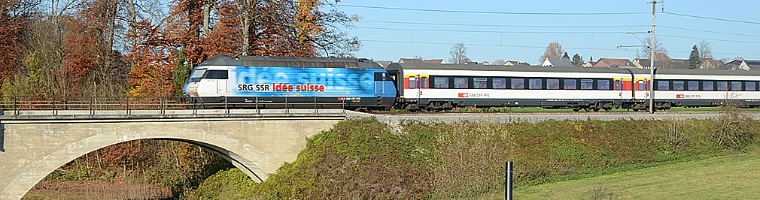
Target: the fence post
pixel 257 106
pixel 286 105
pixel 92 110
pixel 508 181
pixel 55 109
pixel 195 111
pixel 128 106
pixel 15 110
pixel 226 108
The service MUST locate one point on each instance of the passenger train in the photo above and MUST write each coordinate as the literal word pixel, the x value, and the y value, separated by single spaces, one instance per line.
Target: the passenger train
pixel 364 85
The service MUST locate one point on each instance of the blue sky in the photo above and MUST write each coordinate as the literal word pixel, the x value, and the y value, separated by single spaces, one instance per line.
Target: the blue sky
pixel 389 34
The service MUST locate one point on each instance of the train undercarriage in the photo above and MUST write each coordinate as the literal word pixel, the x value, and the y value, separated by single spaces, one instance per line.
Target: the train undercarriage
pixel 415 105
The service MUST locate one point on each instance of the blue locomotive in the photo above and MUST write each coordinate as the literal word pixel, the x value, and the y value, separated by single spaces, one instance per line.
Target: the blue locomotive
pixel 276 82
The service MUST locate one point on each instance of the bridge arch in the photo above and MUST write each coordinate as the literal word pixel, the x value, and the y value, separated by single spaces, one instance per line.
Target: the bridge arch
pixel 256 147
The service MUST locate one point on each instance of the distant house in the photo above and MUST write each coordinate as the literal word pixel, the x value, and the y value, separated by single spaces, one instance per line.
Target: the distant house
pixel 661 59
pixel 613 63
pixel 747 65
pixel 516 63
pixel 670 64
pixel 415 60
pixel 710 63
pixel 588 64
pixel 485 63
pixel 556 62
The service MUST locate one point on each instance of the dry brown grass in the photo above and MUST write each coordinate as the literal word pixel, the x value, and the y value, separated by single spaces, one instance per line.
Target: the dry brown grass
pixel 96 190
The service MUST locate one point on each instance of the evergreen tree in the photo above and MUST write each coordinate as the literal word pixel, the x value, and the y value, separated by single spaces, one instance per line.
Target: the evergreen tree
pixel 180 73
pixel 694 58
pixel 565 56
pixel 577 59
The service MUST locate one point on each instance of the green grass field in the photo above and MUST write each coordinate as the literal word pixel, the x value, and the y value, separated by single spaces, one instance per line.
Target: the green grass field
pixel 727 177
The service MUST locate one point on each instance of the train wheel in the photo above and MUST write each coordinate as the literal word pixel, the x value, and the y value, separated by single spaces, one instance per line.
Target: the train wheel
pixel 576 109
pixel 586 109
pixel 607 109
pixel 635 110
pixel 596 109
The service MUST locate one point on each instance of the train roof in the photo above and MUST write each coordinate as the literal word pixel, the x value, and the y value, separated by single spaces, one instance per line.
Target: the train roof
pixel 428 66
pixel 276 61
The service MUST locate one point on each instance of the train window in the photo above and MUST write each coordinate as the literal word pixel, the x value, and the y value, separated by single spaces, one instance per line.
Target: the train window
pixel 693 85
pixel 423 82
pixel 570 84
pixel 197 75
pixel 750 86
pixel 412 83
pixel 552 84
pixel 603 84
pixel 736 86
pixel 499 83
pixel 663 85
pixel 441 82
pixel 216 74
pixel 708 86
pixel 461 83
pixel 722 85
pixel 480 82
pixel 642 86
pixel 518 83
pixel 678 85
pixel 618 86
pixel 535 84
pixel 587 84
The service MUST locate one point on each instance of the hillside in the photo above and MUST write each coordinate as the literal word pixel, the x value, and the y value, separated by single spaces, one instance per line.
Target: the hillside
pixel 365 158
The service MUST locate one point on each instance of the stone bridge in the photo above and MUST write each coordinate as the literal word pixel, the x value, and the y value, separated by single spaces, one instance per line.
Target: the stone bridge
pixel 33 144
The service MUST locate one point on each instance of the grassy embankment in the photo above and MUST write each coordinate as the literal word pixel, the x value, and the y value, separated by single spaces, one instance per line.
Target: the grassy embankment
pixel 726 177
pixel 366 158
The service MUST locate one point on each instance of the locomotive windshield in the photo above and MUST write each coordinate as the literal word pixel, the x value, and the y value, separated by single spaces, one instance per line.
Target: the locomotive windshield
pixel 196 75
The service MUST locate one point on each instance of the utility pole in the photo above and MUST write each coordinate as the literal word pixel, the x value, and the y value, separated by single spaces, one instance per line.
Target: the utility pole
pixel 651 59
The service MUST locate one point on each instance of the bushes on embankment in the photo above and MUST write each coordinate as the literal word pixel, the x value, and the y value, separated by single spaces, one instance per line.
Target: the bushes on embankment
pixel 366 158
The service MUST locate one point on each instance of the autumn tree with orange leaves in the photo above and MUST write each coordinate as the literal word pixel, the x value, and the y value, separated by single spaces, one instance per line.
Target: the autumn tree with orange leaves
pixel 151 75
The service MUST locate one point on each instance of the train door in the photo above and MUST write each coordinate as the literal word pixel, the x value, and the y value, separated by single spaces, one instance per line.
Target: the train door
pixel 218 80
pixel 642 88
pixel 624 88
pixel 410 86
pixel 422 83
pixel 380 78
pixel 221 86
pixel 414 84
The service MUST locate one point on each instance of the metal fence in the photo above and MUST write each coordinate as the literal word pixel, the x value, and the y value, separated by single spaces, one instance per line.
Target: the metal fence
pixel 19 105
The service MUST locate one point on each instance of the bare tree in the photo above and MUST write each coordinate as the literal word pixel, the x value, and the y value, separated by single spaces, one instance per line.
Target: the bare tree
pixel 704 50
pixel 498 62
pixel 554 50
pixel 458 54
pixel 657 48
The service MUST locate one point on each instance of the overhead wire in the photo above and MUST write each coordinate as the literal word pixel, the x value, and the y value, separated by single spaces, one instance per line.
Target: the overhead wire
pixel 540 26
pixel 712 18
pixel 553 26
pixel 491 12
pixel 506 25
pixel 485 45
pixel 483 31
